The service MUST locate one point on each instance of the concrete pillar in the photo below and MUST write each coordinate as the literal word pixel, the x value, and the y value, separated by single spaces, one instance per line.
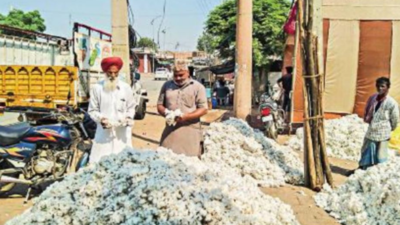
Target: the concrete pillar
pixel 120 35
pixel 243 70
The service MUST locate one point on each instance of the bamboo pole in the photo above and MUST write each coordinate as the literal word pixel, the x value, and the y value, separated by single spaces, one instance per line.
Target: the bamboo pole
pixel 309 166
pixel 324 155
pixel 308 148
pixel 316 161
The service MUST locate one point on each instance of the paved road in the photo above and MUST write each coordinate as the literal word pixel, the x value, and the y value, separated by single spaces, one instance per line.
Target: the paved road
pixel 152 86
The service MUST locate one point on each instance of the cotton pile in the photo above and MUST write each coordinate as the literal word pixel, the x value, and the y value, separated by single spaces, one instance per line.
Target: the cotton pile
pixel 155 187
pixel 367 198
pixel 344 137
pixel 250 153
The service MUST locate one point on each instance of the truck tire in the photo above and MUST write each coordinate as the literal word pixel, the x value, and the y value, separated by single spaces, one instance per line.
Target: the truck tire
pixel 141 111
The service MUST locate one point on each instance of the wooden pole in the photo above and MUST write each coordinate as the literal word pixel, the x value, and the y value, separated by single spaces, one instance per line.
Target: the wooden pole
pixel 243 70
pixel 316 165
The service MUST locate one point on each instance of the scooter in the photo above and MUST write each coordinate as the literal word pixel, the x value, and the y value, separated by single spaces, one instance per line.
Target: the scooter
pixel 272 116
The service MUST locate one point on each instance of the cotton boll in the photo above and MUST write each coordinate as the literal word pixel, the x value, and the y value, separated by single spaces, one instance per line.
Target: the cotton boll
pixel 233 140
pixel 367 197
pixel 157 187
pixel 171 116
pixel 226 145
pixel 344 137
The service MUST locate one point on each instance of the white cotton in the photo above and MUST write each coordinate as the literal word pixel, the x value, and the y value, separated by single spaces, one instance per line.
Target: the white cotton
pixel 171 115
pixel 344 137
pixel 368 197
pixel 156 187
pixel 237 145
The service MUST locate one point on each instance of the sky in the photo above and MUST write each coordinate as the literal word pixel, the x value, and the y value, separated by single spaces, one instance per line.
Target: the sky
pixel 184 19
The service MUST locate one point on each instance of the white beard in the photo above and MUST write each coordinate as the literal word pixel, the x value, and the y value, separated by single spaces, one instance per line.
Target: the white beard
pixel 110 85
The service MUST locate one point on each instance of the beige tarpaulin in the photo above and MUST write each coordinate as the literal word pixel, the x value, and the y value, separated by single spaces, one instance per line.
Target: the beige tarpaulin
pixel 361 9
pixel 395 63
pixel 362 2
pixel 362 12
pixel 342 66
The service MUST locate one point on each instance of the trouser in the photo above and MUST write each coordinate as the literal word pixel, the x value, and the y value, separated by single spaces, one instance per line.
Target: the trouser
pixel 373 152
pixel 286 102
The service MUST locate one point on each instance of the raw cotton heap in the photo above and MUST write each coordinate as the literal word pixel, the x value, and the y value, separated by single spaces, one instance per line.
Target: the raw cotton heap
pixel 155 187
pixel 368 197
pixel 344 137
pixel 236 144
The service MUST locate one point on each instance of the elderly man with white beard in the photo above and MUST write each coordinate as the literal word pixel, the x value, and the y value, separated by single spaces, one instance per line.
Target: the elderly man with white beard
pixel 112 107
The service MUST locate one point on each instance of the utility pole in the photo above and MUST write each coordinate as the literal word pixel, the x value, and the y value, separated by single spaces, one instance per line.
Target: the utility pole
pixel 244 59
pixel 120 35
pixel 154 47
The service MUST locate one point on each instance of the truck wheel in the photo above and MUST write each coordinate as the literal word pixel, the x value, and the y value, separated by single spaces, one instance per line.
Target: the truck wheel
pixel 141 111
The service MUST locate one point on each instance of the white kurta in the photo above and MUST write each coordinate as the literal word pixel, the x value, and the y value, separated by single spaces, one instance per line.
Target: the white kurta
pixel 114 106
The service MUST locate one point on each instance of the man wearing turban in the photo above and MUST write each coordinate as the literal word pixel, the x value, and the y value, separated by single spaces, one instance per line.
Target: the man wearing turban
pixel 188 97
pixel 112 107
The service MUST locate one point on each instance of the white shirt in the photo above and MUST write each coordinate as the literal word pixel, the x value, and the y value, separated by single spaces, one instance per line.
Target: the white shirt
pixel 114 106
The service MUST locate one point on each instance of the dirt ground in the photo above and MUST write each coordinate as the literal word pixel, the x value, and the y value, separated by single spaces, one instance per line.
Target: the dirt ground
pixel 146 135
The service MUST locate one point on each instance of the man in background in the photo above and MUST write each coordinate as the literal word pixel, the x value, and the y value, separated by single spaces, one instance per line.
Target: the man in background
pixel 382 115
pixel 285 83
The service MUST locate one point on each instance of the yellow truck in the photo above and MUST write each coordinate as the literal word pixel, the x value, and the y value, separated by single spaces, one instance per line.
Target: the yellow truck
pixel 49 74
pixel 38 86
pixel 38 73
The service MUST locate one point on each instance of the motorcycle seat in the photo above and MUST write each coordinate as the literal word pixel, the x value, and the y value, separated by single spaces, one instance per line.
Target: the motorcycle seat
pixel 12 134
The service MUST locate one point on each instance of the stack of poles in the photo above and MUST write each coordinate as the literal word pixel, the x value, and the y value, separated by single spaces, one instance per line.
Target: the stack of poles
pixel 316 164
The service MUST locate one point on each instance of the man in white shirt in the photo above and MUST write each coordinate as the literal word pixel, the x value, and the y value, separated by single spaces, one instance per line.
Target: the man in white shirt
pixel 112 107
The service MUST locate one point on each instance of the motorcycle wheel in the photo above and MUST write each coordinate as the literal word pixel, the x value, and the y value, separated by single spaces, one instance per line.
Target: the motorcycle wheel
pixel 6 187
pixel 83 161
pixel 272 131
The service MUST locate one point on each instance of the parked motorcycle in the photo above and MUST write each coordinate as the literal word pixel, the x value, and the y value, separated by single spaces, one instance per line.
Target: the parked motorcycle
pixel 272 116
pixel 58 144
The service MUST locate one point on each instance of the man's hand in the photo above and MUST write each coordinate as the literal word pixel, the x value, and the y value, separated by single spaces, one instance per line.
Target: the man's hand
pixel 161 110
pixel 180 119
pixel 129 122
pixel 105 123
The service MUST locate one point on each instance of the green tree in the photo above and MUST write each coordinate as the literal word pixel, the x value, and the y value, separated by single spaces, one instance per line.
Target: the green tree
pixel 269 17
pixel 146 42
pixel 206 43
pixel 31 21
